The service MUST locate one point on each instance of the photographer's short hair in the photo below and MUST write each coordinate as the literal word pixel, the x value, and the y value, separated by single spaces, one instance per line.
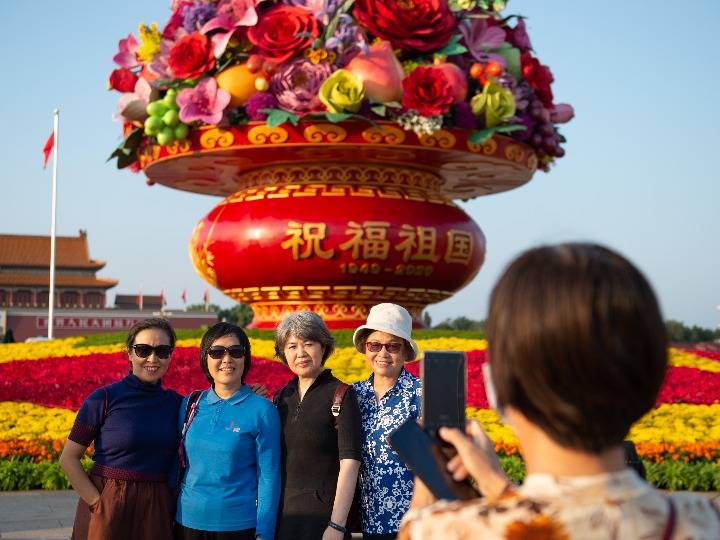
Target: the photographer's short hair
pixel 215 332
pixel 577 343
pixel 305 325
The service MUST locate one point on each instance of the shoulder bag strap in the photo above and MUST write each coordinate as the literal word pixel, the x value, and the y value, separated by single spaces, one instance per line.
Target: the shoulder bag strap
pixel 190 411
pixel 338 397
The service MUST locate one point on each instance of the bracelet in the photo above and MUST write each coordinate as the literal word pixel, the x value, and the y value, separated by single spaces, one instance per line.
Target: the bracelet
pixel 337 527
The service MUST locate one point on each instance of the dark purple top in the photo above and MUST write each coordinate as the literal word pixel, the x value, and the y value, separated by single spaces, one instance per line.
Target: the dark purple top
pixel 134 427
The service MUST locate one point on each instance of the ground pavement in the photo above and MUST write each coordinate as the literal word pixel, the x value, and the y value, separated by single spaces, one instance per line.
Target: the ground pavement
pixel 37 515
pixel 48 515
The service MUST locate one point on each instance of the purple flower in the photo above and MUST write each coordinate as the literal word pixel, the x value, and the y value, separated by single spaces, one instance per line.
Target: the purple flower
pixel 525 119
pixel 479 37
pixel 196 15
pixel 296 85
pixel 257 102
pixel 205 102
pixel 463 117
pixel 518 36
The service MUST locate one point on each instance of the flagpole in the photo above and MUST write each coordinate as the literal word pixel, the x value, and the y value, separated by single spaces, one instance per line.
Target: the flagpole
pixel 53 215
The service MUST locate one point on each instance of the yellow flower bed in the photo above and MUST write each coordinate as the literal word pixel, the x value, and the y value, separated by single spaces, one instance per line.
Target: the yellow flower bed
pixel 685 359
pixel 678 423
pixel 25 421
pixel 55 347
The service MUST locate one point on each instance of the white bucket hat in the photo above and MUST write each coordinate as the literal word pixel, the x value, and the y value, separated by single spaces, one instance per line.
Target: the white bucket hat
pixel 389 318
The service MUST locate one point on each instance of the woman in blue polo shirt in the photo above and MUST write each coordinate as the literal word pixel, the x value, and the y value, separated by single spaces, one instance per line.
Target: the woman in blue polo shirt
pixel 230 487
pixel 389 397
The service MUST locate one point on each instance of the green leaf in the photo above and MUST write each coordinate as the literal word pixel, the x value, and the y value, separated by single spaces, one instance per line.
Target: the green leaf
pixel 379 109
pixel 512 59
pixel 278 116
pixel 510 128
pixel 337 117
pixel 453 47
pixel 393 104
pixel 479 136
pixel 126 152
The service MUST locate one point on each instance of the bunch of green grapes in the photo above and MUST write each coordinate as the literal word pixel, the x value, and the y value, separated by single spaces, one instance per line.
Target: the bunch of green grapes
pixel 163 121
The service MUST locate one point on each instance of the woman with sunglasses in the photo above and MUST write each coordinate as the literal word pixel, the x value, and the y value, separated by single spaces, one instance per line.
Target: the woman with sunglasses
pixel 230 484
pixel 321 434
pixel 133 426
pixel 389 397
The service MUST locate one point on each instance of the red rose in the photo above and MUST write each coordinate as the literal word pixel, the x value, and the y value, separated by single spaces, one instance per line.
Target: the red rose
pixel 122 80
pixel 539 77
pixel 419 25
pixel 428 91
pixel 283 31
pixel 191 56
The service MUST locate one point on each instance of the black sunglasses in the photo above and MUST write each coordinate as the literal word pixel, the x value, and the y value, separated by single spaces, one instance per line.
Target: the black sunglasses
pixel 217 352
pixel 142 350
pixel 376 346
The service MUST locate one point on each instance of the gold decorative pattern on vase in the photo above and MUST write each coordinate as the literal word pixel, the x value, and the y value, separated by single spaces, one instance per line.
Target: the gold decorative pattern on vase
pixel 343 173
pixel 318 133
pixel 264 134
pixel 384 135
pixel 371 294
pixel 216 137
pixel 149 154
pixel 271 312
pixel 178 147
pixel 488 148
pixel 333 190
pixel 515 152
pixel 441 138
pixel 532 161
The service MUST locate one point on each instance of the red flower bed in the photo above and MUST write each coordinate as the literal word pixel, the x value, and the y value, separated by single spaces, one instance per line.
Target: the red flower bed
pixel 690 385
pixel 67 381
pixel 705 354
pixel 475 387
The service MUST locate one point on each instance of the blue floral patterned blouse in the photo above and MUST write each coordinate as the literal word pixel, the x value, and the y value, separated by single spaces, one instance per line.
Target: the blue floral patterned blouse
pixel 386 484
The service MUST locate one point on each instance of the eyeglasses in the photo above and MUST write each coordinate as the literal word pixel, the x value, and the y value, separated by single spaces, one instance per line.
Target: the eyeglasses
pixel 376 346
pixel 217 352
pixel 142 350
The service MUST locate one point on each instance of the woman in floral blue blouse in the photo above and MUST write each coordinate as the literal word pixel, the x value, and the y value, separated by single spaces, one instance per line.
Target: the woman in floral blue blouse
pixel 389 397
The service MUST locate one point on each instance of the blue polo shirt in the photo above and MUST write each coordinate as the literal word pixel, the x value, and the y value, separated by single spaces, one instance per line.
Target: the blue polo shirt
pixel 386 484
pixel 232 481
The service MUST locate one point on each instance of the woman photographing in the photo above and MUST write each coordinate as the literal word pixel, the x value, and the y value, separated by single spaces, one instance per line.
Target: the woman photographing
pixel 577 354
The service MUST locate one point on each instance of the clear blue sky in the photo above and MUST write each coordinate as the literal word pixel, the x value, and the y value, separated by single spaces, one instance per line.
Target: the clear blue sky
pixel 640 175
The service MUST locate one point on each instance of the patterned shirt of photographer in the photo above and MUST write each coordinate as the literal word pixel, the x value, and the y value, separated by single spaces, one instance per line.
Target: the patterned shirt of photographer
pixel 386 484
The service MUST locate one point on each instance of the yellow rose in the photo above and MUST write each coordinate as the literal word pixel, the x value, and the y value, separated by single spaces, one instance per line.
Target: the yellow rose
pixel 496 102
pixel 342 92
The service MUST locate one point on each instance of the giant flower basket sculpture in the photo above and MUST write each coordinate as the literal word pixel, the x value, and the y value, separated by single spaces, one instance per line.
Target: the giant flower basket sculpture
pixel 339 133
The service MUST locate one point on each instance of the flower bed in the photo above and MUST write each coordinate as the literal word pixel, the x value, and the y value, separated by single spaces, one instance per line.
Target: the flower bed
pixel 679 439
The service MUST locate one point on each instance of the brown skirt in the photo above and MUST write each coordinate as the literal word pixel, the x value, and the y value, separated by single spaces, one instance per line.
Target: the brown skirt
pixel 126 509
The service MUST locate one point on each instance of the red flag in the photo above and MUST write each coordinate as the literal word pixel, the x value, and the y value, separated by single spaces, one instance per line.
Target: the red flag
pixel 139 300
pixel 206 298
pixel 48 148
pixel 184 296
pixel 162 298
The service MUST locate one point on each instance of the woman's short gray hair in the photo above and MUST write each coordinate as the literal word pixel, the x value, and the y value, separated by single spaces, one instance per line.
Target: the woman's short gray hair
pixel 305 325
